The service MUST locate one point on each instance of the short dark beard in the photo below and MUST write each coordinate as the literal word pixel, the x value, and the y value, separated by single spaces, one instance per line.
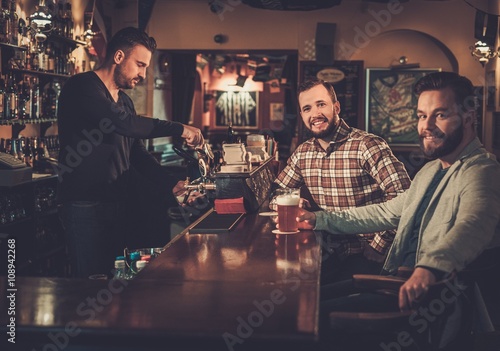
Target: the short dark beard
pixel 325 133
pixel 450 143
pixel 119 79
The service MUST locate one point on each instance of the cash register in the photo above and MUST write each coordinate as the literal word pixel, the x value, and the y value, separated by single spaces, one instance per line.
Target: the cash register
pixel 13 171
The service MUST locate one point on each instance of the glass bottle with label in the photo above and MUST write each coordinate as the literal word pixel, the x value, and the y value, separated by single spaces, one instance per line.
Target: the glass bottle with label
pixel 49 52
pixel 49 100
pixel 2 98
pixel 24 99
pixel 11 102
pixel 14 23
pixel 4 22
pixel 68 21
pixel 27 153
pixel 35 98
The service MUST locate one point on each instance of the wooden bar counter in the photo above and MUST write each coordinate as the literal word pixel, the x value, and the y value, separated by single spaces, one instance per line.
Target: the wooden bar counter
pixel 248 289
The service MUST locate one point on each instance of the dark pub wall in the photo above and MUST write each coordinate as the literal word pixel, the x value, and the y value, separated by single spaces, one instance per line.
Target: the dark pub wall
pixel 434 34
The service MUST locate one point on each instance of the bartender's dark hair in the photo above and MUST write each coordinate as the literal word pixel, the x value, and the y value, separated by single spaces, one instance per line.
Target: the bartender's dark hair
pixel 309 84
pixel 461 86
pixel 126 39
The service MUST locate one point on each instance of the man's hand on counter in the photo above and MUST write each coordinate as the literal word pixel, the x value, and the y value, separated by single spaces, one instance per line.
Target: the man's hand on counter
pixel 306 219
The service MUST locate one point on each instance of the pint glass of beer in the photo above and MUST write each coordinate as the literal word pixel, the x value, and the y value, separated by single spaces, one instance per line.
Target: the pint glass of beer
pixel 288 208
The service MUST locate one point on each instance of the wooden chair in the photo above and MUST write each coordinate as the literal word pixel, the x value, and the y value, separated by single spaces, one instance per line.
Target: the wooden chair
pixel 397 330
pixel 399 327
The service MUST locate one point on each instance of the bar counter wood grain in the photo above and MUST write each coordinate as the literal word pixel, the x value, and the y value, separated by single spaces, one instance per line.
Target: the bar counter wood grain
pixel 249 289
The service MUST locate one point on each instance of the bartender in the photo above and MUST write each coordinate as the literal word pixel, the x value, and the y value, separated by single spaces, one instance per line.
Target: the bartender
pixel 101 147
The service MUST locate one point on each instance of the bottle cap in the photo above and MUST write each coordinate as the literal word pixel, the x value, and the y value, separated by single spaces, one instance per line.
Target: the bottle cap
pixel 120 258
pixel 135 256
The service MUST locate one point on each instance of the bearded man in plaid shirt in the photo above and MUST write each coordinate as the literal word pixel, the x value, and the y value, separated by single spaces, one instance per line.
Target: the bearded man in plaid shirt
pixel 343 167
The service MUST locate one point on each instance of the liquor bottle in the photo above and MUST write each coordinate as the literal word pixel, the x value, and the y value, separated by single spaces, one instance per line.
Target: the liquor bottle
pixel 49 52
pixel 35 98
pixel 4 22
pixel 49 101
pixel 2 98
pixel 42 60
pixel 20 148
pixel 230 133
pixel 14 23
pixel 27 154
pixel 12 103
pixel 34 152
pixel 13 147
pixel 68 23
pixel 24 97
pixel 59 19
pixel 35 59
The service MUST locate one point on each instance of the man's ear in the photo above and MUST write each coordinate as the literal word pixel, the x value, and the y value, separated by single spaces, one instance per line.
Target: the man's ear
pixel 119 56
pixel 336 108
pixel 470 118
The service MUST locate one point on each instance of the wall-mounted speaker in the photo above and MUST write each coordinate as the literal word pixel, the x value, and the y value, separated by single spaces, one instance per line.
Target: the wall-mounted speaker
pixel 325 39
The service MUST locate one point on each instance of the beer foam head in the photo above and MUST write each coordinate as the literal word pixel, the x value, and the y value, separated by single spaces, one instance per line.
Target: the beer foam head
pixel 288 200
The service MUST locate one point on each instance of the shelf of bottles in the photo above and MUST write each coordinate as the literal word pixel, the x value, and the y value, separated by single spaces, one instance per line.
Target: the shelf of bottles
pixel 34 151
pixel 31 76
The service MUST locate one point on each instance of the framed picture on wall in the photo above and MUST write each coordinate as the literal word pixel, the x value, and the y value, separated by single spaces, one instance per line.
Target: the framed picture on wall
pixel 239 108
pixel 276 111
pixel 391 104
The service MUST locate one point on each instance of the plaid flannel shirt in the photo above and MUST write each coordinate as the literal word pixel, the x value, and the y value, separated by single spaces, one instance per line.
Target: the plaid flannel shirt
pixel 357 169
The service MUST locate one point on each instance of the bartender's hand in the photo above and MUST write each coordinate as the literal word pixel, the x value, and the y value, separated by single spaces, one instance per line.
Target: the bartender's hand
pixel 185 197
pixel 193 136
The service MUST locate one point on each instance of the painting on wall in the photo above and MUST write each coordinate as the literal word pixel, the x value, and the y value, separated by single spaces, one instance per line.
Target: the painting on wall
pixel 236 108
pixel 391 104
pixel 276 111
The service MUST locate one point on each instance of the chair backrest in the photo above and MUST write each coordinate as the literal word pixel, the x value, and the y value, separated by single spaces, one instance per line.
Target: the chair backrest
pixel 395 322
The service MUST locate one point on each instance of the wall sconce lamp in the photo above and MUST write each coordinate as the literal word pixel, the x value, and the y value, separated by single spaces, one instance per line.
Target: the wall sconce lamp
pixel 483 52
pixel 485 32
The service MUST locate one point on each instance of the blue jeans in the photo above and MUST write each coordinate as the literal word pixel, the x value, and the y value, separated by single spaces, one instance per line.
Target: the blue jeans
pixel 94 234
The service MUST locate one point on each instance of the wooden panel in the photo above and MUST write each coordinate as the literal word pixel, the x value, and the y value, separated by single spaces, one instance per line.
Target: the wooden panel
pixel 228 291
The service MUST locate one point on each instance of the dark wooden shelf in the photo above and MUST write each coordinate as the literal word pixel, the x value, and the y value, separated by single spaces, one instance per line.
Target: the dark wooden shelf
pixel 39 73
pixel 11 122
pixel 14 47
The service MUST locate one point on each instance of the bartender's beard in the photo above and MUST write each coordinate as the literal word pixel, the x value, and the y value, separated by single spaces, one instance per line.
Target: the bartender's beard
pixel 122 81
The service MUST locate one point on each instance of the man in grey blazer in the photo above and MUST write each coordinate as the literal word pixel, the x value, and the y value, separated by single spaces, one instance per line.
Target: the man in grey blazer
pixel 450 214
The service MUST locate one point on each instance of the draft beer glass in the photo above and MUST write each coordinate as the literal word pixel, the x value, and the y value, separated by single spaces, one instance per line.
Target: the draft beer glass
pixel 287 201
